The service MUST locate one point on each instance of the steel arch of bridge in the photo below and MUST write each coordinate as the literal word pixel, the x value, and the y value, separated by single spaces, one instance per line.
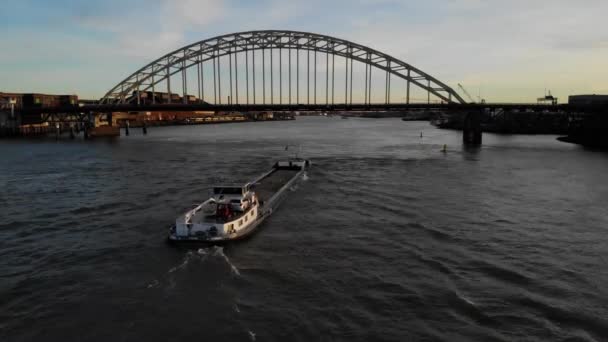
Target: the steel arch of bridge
pixel 178 61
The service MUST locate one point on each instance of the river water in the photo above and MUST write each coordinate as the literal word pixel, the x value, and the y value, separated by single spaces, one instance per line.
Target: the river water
pixel 385 238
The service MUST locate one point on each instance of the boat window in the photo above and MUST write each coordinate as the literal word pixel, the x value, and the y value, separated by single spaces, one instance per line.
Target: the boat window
pixel 246 217
pixel 240 222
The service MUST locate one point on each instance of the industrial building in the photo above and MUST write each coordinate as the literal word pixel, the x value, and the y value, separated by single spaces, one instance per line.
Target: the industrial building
pixel 588 100
pixel 13 121
pixel 9 120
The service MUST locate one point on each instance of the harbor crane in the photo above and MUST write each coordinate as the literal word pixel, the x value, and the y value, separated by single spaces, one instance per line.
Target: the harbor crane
pixel 466 93
pixel 469 95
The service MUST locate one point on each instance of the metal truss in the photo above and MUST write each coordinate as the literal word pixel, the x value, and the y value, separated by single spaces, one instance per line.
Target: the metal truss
pixel 159 71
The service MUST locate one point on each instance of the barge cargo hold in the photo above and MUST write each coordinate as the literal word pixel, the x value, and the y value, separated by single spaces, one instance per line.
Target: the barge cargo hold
pixel 234 212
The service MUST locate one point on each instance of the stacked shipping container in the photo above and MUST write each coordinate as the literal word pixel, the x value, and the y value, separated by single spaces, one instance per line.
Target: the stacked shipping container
pixel 46 101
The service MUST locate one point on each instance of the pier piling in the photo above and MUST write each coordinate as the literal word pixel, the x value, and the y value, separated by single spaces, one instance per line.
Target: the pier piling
pixel 471 133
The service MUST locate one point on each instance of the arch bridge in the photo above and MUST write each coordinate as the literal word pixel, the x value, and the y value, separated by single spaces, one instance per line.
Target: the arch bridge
pixel 278 69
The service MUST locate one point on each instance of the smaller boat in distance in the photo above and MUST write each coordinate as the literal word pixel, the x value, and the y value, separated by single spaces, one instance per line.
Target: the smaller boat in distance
pixel 235 211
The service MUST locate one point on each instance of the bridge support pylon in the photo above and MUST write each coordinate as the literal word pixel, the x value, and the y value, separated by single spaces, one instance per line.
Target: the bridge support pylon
pixel 471 132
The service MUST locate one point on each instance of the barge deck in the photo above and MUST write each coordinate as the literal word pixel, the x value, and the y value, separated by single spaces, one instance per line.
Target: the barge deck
pixel 269 186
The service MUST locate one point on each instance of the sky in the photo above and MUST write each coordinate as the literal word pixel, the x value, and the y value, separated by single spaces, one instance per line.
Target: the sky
pixel 505 51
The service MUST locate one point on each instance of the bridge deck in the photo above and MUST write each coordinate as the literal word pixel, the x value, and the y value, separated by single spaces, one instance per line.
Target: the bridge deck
pixel 308 107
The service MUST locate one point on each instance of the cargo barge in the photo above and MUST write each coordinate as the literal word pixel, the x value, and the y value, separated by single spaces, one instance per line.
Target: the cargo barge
pixel 235 212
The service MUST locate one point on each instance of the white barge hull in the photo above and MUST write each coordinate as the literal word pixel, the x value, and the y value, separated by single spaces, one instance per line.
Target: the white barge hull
pixel 265 194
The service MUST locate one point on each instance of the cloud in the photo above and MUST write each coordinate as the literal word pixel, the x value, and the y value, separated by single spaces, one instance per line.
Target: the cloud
pixel 559 44
pixel 496 42
pixel 193 13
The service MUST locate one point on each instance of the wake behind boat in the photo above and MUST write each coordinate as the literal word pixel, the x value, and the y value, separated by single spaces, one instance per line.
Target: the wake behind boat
pixel 234 212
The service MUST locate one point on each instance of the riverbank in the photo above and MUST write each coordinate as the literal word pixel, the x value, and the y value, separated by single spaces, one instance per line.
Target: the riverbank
pixel 591 132
pixel 46 128
pixel 511 122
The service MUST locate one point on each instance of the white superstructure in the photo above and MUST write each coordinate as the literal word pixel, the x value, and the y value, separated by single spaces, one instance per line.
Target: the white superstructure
pixel 230 211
